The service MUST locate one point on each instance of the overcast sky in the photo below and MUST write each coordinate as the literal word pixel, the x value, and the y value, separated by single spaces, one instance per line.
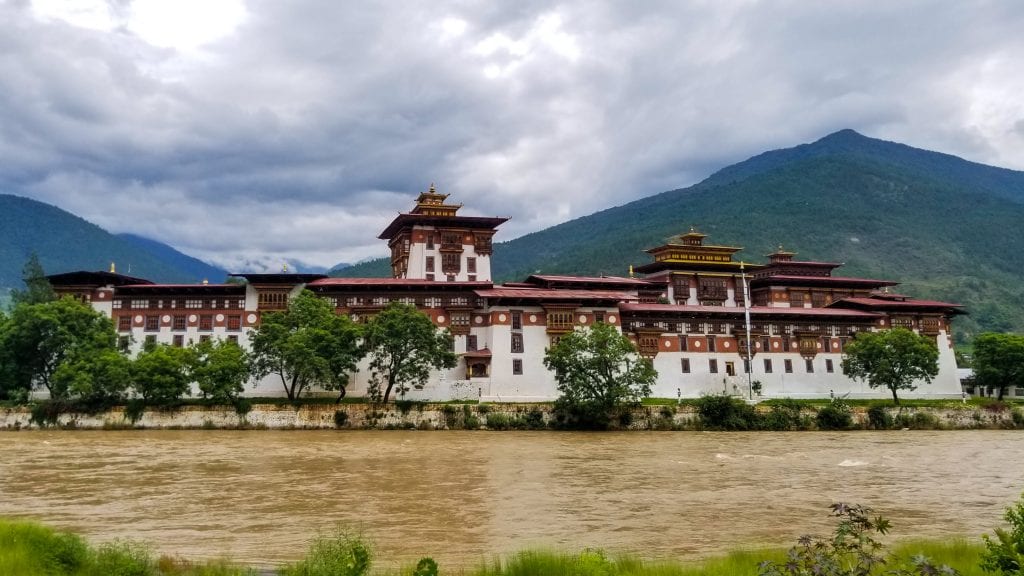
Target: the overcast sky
pixel 253 131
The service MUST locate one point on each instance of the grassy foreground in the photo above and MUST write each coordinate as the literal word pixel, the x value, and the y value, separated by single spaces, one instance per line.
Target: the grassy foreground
pixel 31 549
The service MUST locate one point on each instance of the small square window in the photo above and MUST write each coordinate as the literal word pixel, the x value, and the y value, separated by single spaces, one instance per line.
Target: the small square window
pixel 788 365
pixel 711 344
pixel 517 366
pixel 685 365
pixel 152 323
pixel 517 342
pixel 810 365
pixel 124 323
pixel 829 367
pixel 713 366
pixel 179 340
pixel 767 365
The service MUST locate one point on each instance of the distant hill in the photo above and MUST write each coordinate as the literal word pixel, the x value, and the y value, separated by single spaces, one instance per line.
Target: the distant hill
pixel 945 227
pixel 194 267
pixel 65 242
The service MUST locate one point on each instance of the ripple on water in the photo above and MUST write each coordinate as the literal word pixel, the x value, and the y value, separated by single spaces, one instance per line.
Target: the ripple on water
pixel 460 497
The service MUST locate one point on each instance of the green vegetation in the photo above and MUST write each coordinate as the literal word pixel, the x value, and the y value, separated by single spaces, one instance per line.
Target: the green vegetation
pixel 599 373
pixel 853 548
pixel 64 242
pixel 939 224
pixel 305 345
pixel 29 549
pixel 893 359
pixel 999 361
pixel 404 346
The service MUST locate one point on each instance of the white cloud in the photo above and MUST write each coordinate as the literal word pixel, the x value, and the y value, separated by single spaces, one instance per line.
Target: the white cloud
pixel 266 131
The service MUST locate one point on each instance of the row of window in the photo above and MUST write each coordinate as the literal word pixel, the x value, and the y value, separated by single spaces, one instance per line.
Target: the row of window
pixel 179 322
pixel 787 366
pixel 450 263
pixel 233 303
pixel 759 329
pixel 178 341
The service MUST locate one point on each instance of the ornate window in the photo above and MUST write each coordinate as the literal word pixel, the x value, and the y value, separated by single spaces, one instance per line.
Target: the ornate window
pixel 648 344
pixel 206 322
pixel 152 323
pixel 517 343
pixel 124 323
pixel 178 322
pixel 560 320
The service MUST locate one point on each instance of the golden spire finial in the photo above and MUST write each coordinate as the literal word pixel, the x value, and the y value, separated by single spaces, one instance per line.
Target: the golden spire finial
pixel 630 270
pixel 113 269
pixel 205 281
pixel 432 189
pixel 284 268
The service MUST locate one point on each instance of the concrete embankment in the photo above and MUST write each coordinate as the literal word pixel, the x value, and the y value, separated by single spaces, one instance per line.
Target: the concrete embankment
pixel 431 416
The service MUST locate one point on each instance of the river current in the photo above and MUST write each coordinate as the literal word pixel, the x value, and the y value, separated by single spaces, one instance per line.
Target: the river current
pixel 461 497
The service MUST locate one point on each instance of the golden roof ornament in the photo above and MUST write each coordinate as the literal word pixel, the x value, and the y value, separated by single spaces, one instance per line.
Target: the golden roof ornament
pixel 113 269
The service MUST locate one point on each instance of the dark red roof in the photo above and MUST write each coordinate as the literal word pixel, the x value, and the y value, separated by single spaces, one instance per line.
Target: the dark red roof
pixel 789 280
pixel 393 282
pixel 754 310
pixel 229 289
pixel 405 220
pixel 278 278
pixel 481 353
pixel 588 279
pixel 886 303
pixel 549 294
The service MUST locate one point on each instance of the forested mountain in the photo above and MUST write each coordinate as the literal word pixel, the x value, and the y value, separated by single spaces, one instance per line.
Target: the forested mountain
pixel 65 242
pixel 194 267
pixel 945 227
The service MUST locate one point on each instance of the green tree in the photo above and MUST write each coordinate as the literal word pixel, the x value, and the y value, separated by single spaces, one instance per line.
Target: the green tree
pixel 37 287
pixel 220 369
pixel 999 361
pixel 892 359
pixel 599 372
pixel 38 338
pixel 160 373
pixel 404 346
pixel 98 379
pixel 305 345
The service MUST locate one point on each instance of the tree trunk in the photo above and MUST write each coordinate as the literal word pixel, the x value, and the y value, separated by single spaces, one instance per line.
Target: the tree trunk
pixel 1001 391
pixel 341 395
pixel 895 398
pixel 387 392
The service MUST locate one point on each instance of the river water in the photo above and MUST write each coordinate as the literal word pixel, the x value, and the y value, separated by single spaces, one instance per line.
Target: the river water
pixel 258 496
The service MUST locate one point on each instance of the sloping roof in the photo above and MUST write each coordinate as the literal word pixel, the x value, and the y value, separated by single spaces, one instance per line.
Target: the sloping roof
pixel 232 289
pixel 553 294
pixel 481 353
pixel 589 279
pixel 394 283
pixel 789 280
pixel 100 278
pixel 754 310
pixel 891 304
pixel 278 278
pixel 404 220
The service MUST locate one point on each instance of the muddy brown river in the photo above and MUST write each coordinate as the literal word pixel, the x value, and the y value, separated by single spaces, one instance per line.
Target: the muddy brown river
pixel 258 496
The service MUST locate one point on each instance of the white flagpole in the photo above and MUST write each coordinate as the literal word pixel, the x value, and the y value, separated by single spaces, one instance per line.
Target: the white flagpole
pixel 746 314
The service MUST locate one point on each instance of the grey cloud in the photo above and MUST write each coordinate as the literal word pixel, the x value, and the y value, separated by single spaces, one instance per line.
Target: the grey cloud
pixel 301 134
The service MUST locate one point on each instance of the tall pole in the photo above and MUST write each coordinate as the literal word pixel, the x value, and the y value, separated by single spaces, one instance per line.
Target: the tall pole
pixel 746 315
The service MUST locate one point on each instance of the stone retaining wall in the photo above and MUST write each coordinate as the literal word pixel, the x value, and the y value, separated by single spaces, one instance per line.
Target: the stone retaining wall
pixel 437 417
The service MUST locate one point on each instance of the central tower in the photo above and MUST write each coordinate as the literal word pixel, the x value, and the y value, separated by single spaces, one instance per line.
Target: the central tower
pixel 432 242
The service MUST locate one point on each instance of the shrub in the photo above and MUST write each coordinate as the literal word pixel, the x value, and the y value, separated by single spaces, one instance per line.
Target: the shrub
pixel 124 559
pixel 499 421
pixel 835 416
pixel 851 551
pixel 1004 551
pixel 340 418
pixel 483 409
pixel 879 417
pixel 918 421
pixel 1018 418
pixel 785 414
pixel 425 567
pixel 534 420
pixel 242 406
pixel 720 412
pixel 341 554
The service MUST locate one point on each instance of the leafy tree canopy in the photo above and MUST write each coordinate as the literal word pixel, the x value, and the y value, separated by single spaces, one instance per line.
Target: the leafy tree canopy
pixel 220 369
pixel 306 345
pixel 404 346
pixel 38 338
pixel 893 359
pixel 599 371
pixel 160 373
pixel 98 379
pixel 999 361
